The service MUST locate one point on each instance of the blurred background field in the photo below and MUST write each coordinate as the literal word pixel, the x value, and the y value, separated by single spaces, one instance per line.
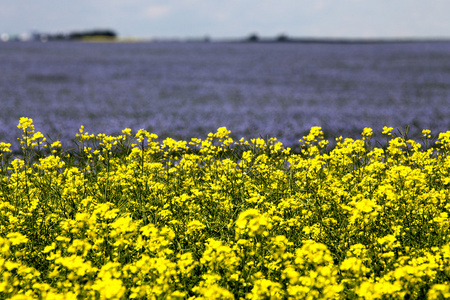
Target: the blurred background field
pixel 188 89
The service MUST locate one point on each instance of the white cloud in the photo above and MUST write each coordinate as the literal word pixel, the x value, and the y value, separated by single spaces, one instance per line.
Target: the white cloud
pixel 157 11
pixel 320 5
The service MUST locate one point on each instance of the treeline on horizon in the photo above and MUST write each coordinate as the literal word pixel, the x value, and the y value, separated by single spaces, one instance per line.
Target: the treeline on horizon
pixel 76 35
pixel 108 34
pixel 282 38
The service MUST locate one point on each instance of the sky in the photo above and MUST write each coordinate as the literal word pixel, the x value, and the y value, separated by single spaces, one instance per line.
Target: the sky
pixel 232 18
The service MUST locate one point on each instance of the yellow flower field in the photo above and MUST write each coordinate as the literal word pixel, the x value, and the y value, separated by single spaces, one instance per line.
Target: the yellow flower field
pixel 132 217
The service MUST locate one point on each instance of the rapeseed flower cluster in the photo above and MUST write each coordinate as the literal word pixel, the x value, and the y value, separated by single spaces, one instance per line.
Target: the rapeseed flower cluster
pixel 130 217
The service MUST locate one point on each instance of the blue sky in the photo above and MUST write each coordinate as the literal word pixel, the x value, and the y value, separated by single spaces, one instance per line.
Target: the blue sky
pixel 232 18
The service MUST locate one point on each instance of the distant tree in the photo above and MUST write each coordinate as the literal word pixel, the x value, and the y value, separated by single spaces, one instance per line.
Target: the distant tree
pixel 282 38
pixel 92 33
pixel 253 38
